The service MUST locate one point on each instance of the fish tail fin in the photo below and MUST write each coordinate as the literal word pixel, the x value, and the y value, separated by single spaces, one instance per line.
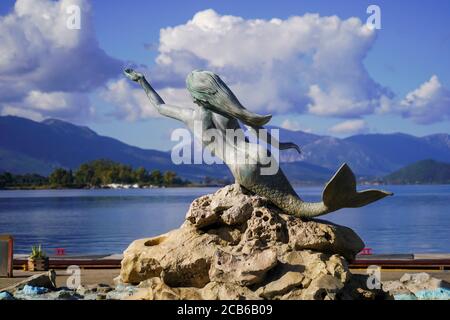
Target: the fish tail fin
pixel 340 192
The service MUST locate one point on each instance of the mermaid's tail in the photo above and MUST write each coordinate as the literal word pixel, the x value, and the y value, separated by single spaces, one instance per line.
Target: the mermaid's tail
pixel 340 192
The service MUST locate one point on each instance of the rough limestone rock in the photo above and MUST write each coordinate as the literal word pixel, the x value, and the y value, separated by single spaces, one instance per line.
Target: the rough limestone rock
pixel 418 286
pixel 181 258
pixel 44 280
pixel 236 245
pixel 242 269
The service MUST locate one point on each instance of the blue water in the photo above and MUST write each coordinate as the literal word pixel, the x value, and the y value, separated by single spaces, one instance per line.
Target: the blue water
pixel 416 219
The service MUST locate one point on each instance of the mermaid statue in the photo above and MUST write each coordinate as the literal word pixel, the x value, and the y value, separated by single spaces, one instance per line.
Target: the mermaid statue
pixel 219 109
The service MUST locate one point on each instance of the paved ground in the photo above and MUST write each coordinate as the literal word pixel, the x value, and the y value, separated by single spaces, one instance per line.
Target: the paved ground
pixel 106 276
pixel 88 276
pixel 397 274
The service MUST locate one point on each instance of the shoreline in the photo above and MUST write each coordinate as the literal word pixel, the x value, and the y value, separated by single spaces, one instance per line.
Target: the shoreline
pixel 48 188
pixel 416 261
pixel 296 185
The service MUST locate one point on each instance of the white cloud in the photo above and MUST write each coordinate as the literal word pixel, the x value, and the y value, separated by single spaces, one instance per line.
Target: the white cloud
pixel 132 104
pixel 177 96
pixel 9 110
pixel 337 103
pixel 350 127
pixel 293 125
pixel 39 105
pixel 47 69
pixel 302 64
pixel 386 105
pixel 427 104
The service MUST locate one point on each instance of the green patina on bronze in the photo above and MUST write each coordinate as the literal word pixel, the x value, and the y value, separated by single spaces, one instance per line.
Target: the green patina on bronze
pixel 219 109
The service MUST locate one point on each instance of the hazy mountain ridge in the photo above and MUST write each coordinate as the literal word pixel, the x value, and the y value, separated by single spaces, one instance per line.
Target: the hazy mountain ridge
pixel 369 154
pixel 63 144
pixel 421 172
pixel 27 146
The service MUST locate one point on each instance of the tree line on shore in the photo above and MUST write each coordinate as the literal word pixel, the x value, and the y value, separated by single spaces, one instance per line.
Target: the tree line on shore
pixel 93 174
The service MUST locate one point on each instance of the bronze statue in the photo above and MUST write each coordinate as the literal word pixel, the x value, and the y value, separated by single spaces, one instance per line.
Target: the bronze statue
pixel 219 109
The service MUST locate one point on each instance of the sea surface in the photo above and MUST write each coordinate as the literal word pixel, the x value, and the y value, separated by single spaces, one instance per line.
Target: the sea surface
pixel 415 220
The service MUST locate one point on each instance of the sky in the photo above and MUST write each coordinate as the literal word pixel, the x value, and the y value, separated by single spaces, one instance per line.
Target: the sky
pixel 315 65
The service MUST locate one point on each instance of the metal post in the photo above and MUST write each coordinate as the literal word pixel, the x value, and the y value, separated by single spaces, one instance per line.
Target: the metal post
pixel 11 257
pixel 7 253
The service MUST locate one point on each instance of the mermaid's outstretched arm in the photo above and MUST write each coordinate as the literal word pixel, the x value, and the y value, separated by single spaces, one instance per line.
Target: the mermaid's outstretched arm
pixel 178 113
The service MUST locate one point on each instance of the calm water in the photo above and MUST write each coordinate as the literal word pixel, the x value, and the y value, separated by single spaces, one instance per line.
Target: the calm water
pixel 416 219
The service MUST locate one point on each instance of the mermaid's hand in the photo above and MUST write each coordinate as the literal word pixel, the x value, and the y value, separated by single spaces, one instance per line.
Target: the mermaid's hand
pixel 133 75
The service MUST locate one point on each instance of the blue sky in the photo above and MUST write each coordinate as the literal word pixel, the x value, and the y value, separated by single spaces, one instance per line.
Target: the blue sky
pixel 406 63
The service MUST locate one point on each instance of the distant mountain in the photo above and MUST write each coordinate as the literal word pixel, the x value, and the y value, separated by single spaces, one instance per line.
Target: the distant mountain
pixel 422 172
pixel 39 147
pixel 369 154
pixel 28 146
pixel 306 173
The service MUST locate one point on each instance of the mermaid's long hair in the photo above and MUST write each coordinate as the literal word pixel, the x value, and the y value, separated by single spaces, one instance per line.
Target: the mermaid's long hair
pixel 208 90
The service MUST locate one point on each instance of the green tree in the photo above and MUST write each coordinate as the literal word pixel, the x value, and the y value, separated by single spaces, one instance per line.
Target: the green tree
pixel 141 175
pixel 126 174
pixel 156 178
pixel 93 174
pixel 114 174
pixel 85 174
pixel 6 179
pixel 169 178
pixel 61 178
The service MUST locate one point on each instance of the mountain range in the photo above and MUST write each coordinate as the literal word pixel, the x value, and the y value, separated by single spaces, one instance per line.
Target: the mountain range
pixel 367 154
pixel 422 172
pixel 28 146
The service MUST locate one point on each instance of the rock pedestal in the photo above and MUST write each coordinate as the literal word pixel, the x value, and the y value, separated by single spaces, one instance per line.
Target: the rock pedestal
pixel 236 245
